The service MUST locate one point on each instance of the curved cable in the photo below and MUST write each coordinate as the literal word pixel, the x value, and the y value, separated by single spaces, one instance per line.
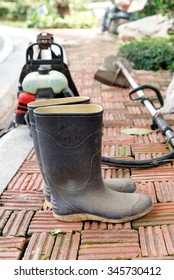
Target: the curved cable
pixel 154 162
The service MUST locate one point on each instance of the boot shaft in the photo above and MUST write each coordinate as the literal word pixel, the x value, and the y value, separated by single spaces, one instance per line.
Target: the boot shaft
pixel 32 127
pixel 55 102
pixel 70 143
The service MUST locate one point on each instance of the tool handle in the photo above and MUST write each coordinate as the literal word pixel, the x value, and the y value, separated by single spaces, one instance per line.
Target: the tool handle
pixel 143 97
pixel 160 122
pixel 30 52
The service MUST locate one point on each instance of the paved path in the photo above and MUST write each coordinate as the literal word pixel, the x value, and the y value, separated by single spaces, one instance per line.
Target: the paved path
pixel 25 222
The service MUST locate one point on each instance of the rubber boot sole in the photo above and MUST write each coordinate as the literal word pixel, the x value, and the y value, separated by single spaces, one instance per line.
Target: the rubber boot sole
pixel 86 217
pixel 48 203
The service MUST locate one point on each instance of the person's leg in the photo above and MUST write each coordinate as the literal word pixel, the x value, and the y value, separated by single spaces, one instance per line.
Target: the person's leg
pixel 106 18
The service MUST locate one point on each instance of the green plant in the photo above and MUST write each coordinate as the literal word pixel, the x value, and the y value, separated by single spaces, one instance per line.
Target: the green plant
pixel 76 20
pixel 14 10
pixel 3 11
pixel 20 10
pixel 149 53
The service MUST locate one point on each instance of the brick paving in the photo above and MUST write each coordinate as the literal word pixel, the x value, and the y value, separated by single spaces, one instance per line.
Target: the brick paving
pixel 28 230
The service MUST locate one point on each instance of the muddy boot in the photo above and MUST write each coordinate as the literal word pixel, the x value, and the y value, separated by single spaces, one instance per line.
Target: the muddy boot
pixel 121 185
pixel 32 127
pixel 70 148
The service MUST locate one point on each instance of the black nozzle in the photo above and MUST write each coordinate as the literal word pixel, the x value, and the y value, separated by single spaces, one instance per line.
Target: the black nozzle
pixel 43 69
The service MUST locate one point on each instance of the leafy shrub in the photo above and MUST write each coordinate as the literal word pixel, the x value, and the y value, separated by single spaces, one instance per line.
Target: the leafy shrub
pixel 14 10
pixel 149 53
pixel 76 20
pixel 3 11
pixel 20 10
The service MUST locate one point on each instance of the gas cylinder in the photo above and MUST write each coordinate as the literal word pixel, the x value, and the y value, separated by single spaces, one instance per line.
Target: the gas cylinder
pixel 44 83
pixel 48 82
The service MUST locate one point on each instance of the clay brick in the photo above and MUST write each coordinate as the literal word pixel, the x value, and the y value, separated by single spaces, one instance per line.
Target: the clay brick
pixel 108 236
pixel 156 137
pixel 112 172
pixel 93 225
pixel 117 123
pixel 116 150
pixel 152 242
pixel 165 258
pixel 111 116
pixel 44 246
pixel 26 181
pixel 11 248
pixel 110 133
pixel 4 216
pixel 117 106
pixel 123 226
pixel 30 200
pixel 168 233
pixel 147 188
pixel 149 148
pixel 10 254
pixel 66 246
pixel 161 214
pixel 141 123
pixel 39 247
pixel 30 166
pixel 18 223
pixel 43 221
pixel 135 110
pixel 147 156
pixel 164 173
pixel 164 191
pixel 109 251
pixel 136 115
pixel 12 242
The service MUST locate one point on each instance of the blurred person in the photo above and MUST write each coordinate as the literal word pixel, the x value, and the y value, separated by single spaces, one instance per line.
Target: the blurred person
pixel 62 7
pixel 114 9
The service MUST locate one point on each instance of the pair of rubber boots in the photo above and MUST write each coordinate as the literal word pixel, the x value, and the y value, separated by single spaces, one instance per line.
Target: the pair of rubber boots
pixel 67 141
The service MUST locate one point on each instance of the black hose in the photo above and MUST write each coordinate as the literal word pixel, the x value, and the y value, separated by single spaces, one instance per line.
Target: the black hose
pixel 139 163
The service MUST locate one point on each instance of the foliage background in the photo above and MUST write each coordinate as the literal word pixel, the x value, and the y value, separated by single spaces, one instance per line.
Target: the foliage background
pixel 152 53
pixel 147 54
pixel 42 13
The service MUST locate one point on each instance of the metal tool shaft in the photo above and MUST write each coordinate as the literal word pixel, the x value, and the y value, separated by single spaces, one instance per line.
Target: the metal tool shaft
pixel 158 119
pixel 140 93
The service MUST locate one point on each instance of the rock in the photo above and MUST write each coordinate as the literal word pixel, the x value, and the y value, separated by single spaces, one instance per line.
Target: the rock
pixel 153 26
pixel 169 99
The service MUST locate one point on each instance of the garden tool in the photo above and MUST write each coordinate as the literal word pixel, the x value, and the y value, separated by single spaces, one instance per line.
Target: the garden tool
pixel 69 140
pixel 121 68
pixel 44 75
pixel 118 184
pixel 55 61
pixel 40 84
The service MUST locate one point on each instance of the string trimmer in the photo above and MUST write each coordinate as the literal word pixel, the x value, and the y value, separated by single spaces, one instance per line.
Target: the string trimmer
pixel 115 73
